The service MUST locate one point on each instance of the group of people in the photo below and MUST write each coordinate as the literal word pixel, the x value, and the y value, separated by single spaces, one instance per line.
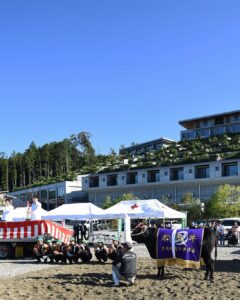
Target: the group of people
pixel 122 257
pixel 58 251
pixel 232 235
pixel 33 212
pixel 80 228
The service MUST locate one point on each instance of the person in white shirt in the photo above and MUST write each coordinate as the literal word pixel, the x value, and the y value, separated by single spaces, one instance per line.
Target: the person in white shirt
pixel 221 230
pixel 36 209
pixel 6 213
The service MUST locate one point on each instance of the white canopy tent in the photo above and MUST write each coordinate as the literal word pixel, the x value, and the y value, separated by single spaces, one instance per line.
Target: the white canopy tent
pixel 74 211
pixel 20 214
pixel 150 208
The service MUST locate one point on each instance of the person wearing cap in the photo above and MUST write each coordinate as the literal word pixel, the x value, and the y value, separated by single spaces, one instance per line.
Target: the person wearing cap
pixel 125 265
pixel 38 249
pixel 72 251
pixel 58 252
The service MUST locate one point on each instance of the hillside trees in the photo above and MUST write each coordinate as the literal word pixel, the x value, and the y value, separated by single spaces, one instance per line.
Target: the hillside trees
pixel 49 163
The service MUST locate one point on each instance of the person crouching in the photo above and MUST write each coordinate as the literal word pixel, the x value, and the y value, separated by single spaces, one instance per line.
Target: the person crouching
pixel 101 252
pixel 125 265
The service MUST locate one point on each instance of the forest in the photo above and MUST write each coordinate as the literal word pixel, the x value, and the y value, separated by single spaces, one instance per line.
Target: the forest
pixel 53 162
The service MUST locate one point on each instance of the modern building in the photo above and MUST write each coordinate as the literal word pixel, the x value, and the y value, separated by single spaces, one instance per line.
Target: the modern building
pixel 153 145
pixel 164 183
pixel 212 125
pixel 53 195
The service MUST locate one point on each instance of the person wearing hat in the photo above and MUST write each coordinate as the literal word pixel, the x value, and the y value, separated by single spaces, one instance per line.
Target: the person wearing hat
pixel 38 249
pixel 125 265
pixel 72 251
pixel 57 252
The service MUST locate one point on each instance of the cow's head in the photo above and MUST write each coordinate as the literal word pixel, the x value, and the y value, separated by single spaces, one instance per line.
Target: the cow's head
pixel 147 236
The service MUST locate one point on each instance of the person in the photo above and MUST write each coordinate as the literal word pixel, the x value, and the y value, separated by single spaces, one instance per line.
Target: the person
pixel 114 249
pixel 7 209
pixel 125 265
pixel 83 230
pixel 101 252
pixel 58 252
pixel 221 231
pixel 84 252
pixel 72 251
pixel 76 229
pixel 36 209
pixel 38 249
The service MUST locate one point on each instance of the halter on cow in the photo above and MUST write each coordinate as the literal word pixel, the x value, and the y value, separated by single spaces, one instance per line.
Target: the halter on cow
pixel 148 236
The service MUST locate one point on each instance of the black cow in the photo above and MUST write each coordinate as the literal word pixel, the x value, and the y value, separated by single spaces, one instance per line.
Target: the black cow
pixel 148 236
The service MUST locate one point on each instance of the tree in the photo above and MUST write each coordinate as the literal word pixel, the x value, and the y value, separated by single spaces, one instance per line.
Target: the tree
pixel 107 202
pixel 224 203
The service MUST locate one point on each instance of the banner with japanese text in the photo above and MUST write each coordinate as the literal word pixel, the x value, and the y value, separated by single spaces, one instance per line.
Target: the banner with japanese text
pixel 179 246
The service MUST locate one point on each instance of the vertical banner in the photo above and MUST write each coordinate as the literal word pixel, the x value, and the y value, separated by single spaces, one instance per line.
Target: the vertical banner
pixel 119 228
pixel 127 229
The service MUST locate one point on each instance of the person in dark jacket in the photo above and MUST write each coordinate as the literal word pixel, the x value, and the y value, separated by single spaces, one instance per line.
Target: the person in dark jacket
pixel 83 230
pixel 76 230
pixel 125 265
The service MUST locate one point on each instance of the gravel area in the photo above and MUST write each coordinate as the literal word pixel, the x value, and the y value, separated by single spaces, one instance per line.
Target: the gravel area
pixel 12 268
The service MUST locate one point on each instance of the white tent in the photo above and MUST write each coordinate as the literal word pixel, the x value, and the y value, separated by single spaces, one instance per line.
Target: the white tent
pixel 20 214
pixel 151 208
pixel 74 211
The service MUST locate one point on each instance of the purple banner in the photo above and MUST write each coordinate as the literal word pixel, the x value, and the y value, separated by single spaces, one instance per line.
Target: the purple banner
pixel 181 246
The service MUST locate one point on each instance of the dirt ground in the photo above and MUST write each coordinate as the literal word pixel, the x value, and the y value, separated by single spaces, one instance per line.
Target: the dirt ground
pixel 93 281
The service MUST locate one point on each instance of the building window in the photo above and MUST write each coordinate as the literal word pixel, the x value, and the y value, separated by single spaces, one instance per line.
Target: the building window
pixel 230 169
pixel 143 175
pixel 103 179
pixel 94 181
pixel 52 194
pixel 176 174
pixel 236 118
pixel 60 195
pixel 202 172
pixel 219 121
pixel 153 176
pixel 166 173
pixel 190 171
pixel 44 199
pixel 227 120
pixel 112 180
pixel 86 181
pixel 132 178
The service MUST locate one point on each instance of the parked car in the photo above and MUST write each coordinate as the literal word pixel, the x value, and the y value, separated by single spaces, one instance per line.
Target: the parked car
pixel 228 224
pixel 173 224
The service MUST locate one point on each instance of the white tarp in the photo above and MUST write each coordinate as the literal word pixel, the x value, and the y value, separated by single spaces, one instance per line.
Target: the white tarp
pixel 74 211
pixel 20 214
pixel 151 208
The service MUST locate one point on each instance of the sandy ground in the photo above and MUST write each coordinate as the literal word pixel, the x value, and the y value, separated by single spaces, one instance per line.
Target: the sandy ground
pixel 93 281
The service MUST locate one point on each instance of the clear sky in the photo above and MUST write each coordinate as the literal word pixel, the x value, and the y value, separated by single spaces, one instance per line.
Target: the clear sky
pixel 124 70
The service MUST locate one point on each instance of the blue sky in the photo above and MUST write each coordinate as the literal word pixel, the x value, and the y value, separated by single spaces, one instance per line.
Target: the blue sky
pixel 124 70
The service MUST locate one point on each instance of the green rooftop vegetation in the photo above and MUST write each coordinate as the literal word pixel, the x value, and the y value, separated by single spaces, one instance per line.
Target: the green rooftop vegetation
pixel 183 152
pixel 64 160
